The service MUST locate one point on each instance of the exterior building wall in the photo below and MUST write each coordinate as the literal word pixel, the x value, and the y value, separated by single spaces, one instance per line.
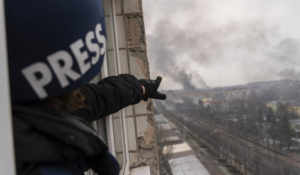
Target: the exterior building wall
pixel 142 143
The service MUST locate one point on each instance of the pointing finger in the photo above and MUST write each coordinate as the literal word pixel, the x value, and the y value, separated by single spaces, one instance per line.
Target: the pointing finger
pixel 158 80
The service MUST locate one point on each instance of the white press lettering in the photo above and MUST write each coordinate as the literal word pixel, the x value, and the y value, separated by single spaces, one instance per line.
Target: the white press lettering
pixel 38 82
pixel 62 70
pixel 80 56
pixel 101 38
pixel 93 47
pixel 39 74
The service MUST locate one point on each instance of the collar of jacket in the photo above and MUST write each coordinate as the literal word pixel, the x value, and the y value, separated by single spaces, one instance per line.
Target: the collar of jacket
pixel 62 129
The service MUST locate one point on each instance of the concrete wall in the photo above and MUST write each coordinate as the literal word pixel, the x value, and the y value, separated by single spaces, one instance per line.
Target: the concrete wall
pixel 140 120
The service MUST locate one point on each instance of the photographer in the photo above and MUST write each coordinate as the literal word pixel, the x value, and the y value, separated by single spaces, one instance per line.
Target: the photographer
pixel 55 48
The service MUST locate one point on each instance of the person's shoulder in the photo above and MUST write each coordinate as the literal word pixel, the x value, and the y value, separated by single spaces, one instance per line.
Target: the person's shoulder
pixel 33 109
pixel 19 107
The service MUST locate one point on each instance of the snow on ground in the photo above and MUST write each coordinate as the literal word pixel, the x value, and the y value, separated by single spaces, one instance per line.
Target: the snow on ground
pixel 164 126
pixel 172 138
pixel 187 165
pixel 176 148
pixel 181 157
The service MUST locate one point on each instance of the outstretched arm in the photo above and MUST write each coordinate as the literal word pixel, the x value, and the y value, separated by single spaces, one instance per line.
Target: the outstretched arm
pixel 114 93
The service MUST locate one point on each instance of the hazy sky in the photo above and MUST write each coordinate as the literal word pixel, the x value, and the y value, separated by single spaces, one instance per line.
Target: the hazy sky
pixel 219 43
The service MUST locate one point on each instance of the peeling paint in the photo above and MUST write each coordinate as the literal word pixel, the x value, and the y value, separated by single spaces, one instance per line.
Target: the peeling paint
pixel 142 61
pixel 146 153
pixel 149 134
pixel 135 31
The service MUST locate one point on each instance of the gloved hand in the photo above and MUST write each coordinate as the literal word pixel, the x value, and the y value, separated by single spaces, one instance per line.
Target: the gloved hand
pixel 151 87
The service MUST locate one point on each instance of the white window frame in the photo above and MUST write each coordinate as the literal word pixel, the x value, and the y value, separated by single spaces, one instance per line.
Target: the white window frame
pixel 7 162
pixel 109 121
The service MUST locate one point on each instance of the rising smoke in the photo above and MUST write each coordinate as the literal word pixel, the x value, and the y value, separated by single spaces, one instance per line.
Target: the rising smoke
pixel 186 79
pixel 185 45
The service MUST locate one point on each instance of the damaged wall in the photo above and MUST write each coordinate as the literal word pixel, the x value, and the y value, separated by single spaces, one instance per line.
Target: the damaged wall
pixel 139 118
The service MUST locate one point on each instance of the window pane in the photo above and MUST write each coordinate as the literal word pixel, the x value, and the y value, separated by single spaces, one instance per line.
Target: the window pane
pixel 112 65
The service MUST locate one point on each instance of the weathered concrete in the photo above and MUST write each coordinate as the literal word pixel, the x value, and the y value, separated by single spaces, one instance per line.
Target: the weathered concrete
pixel 145 153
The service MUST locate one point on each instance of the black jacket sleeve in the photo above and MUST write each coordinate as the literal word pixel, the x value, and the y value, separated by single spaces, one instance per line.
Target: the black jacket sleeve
pixel 109 96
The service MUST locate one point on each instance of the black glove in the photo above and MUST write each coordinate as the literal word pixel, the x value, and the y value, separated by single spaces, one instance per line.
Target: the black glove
pixel 151 87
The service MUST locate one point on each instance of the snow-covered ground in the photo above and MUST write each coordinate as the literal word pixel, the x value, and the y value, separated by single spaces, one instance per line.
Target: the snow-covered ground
pixel 187 165
pixel 181 157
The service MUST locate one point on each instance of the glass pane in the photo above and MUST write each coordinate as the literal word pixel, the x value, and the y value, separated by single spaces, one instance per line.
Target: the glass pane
pixel 102 129
pixel 118 138
pixel 113 70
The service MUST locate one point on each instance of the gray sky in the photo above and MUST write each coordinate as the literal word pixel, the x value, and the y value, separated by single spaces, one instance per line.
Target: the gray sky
pixel 220 43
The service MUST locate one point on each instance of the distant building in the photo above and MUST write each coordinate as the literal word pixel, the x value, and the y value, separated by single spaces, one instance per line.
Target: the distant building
pixel 196 100
pixel 273 105
pixel 237 93
pixel 206 101
pixel 293 107
pixel 295 126
pixel 215 104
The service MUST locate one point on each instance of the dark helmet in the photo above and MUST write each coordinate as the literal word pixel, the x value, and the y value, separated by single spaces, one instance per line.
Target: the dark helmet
pixel 54 46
